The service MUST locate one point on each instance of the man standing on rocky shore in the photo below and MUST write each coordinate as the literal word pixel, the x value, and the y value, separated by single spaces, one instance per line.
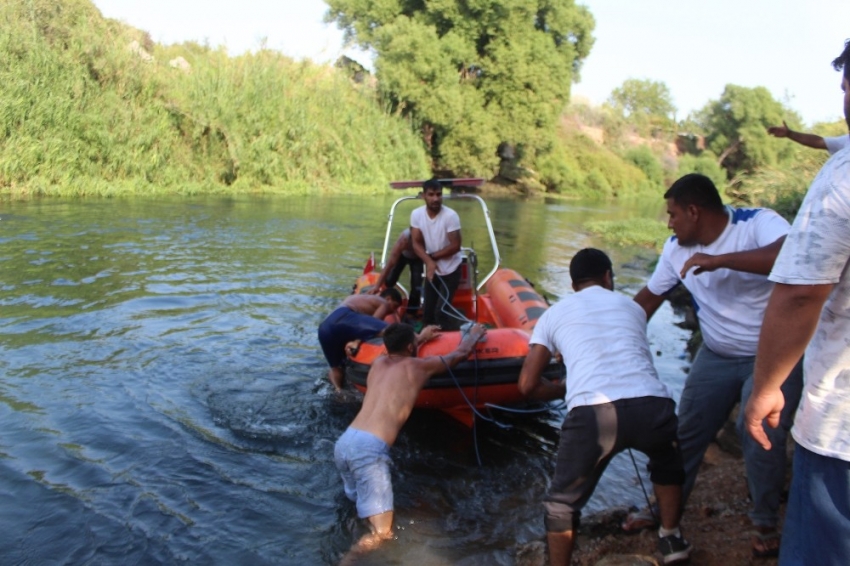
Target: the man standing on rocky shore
pixel 812 276
pixel 722 255
pixel 615 402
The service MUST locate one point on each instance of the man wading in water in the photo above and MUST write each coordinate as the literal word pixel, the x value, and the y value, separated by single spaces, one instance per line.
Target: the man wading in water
pixel 362 452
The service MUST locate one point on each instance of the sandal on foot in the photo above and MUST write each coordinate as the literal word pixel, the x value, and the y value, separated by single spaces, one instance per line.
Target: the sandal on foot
pixel 766 545
pixel 638 520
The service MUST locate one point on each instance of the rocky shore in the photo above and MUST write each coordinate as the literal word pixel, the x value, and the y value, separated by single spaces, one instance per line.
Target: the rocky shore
pixel 715 522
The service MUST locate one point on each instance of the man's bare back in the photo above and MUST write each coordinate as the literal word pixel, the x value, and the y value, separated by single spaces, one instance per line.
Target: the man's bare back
pixel 392 386
pixel 370 305
pixel 394 383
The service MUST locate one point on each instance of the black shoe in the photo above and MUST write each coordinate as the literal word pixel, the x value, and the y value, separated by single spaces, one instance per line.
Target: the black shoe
pixel 674 549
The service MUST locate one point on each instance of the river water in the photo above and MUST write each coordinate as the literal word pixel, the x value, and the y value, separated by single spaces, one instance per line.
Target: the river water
pixel 163 396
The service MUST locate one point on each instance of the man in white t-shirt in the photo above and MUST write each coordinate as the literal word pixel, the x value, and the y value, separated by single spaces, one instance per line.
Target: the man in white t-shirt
pixel 810 304
pixel 615 401
pixel 722 255
pixel 435 230
pixel 831 144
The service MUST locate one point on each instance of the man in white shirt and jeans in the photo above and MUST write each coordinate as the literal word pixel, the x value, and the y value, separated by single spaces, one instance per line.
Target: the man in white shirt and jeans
pixel 722 255
pixel 435 230
pixel 615 401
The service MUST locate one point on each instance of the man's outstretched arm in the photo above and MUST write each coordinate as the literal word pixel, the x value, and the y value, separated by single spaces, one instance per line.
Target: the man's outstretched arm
pixel 392 261
pixel 809 140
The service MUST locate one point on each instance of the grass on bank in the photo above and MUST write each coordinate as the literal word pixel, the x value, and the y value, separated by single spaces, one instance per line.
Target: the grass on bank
pixel 84 113
pixel 632 232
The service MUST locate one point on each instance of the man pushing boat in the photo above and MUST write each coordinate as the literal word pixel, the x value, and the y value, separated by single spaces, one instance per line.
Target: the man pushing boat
pixel 362 452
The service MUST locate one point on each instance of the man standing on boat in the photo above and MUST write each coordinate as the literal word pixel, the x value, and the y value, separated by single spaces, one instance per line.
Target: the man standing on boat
pixel 402 254
pixel 358 317
pixel 435 230
pixel 614 401
pixel 722 255
pixel 362 452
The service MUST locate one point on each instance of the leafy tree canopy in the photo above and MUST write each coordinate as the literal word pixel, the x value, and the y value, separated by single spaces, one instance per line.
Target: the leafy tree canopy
pixel 644 103
pixel 735 129
pixel 473 73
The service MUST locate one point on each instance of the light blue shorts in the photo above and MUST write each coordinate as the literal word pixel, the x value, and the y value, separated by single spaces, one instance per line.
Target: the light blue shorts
pixel 363 461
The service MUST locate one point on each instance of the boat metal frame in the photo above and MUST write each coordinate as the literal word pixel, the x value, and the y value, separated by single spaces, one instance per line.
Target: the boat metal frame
pixel 453 196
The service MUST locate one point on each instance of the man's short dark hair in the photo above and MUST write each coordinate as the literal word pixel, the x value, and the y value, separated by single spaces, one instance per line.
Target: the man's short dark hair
pixel 392 293
pixel 843 61
pixel 432 184
pixel 589 264
pixel 398 336
pixel 695 189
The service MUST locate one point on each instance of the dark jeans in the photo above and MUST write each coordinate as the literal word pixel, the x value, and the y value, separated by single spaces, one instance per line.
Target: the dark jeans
pixel 713 387
pixel 438 301
pixel 414 298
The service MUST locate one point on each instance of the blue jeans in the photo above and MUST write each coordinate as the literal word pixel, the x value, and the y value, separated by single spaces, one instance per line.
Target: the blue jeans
pixel 817 521
pixel 714 386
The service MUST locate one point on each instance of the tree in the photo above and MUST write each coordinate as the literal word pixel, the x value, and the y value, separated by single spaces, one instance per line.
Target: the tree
pixel 473 74
pixel 643 158
pixel 644 103
pixel 735 129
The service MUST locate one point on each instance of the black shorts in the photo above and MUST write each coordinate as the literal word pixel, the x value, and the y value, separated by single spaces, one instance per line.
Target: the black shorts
pixel 593 434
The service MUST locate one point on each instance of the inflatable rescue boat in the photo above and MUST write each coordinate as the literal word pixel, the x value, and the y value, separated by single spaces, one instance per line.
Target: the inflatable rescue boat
pixel 503 301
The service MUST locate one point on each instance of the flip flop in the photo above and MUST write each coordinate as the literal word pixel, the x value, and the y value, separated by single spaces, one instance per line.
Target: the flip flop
pixel 766 545
pixel 638 520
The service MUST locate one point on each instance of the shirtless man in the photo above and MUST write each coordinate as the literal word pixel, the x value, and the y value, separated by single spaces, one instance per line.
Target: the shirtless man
pixel 362 452
pixel 358 317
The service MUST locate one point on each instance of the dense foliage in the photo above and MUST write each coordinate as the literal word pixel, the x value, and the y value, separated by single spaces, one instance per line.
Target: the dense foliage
pixel 474 74
pixel 735 129
pixel 93 106
pixel 647 104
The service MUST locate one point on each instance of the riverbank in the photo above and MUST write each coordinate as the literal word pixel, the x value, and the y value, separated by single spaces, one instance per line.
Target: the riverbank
pixel 715 522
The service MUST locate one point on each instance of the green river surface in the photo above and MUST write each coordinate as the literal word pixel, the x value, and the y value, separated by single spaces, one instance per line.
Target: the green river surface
pixel 163 396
